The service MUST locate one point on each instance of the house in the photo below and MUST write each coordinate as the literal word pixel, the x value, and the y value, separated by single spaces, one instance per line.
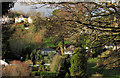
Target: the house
pixel 16 20
pixel 29 20
pixel 114 47
pixel 21 18
pixel 69 49
pixel 2 62
pixel 5 19
pixel 45 51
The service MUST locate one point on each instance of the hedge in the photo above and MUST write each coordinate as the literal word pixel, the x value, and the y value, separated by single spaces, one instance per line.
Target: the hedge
pixel 38 73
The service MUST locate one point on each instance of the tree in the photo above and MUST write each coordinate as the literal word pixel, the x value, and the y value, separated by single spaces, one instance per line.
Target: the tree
pixel 6 6
pixel 95 19
pixel 78 64
pixel 74 17
pixel 109 59
pixel 56 63
pixel 35 56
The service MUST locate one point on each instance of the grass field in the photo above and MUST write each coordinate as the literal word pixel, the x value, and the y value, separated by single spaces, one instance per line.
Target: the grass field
pixel 107 73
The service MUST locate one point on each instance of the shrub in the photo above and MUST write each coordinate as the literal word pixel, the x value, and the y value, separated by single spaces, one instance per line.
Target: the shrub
pixel 97 75
pixel 37 73
pixel 41 68
pixel 47 68
pixel 16 68
pixel 36 56
pixel 35 68
pixel 78 64
pixel 56 63
pixel 50 56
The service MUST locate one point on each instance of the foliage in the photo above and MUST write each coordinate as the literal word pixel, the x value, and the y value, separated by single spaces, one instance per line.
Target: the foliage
pixel 28 62
pixel 78 64
pixel 97 75
pixel 74 19
pixel 94 42
pixel 56 63
pixel 16 68
pixel 65 64
pixel 6 6
pixel 39 22
pixel 48 42
pixel 41 68
pixel 35 68
pixel 106 73
pixel 15 15
pixel 109 59
pixel 92 60
pixel 36 56
pixel 55 11
pixel 49 74
pixel 50 56
pixel 27 40
pixel 6 34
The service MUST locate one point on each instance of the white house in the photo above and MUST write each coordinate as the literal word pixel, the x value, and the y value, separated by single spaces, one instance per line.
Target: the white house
pixel 23 18
pixel 46 51
pixel 5 19
pixel 30 20
pixel 114 47
pixel 3 63
pixel 16 20
pixel 69 49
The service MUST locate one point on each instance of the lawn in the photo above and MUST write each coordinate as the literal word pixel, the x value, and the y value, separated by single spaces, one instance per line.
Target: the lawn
pixel 107 73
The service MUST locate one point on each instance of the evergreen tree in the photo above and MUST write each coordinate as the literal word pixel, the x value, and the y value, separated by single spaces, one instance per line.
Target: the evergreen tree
pixel 35 56
pixel 78 64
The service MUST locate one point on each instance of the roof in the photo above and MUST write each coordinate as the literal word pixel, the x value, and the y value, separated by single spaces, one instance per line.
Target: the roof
pixel 69 48
pixel 23 16
pixel 53 48
pixel 68 45
pixel 109 45
pixel 48 49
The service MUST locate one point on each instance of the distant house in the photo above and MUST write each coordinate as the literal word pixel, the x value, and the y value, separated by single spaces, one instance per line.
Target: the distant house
pixel 114 47
pixel 45 51
pixel 3 63
pixel 16 20
pixel 21 18
pixel 5 19
pixel 30 20
pixel 69 49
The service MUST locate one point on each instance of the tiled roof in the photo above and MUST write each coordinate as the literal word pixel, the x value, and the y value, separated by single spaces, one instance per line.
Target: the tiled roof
pixel 48 49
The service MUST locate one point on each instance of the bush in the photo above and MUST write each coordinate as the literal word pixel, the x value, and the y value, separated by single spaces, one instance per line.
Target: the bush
pixel 92 60
pixel 78 64
pixel 35 68
pixel 36 56
pixel 29 62
pixel 41 68
pixel 50 56
pixel 16 68
pixel 56 63
pixel 97 75
pixel 37 73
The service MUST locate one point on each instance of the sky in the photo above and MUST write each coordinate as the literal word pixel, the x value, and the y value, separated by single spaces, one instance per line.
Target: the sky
pixel 27 8
pixel 43 10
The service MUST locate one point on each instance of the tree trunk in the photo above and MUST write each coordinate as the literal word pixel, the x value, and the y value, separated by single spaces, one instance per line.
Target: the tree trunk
pixel 62 47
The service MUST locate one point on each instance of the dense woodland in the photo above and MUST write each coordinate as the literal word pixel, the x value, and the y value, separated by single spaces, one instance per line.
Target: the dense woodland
pixel 83 24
